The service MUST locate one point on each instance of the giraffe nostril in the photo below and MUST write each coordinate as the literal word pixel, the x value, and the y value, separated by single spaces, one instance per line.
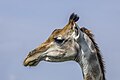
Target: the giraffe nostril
pixel 32 52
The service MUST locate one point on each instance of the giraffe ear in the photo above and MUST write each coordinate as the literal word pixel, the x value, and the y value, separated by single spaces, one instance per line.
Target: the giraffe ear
pixel 74 17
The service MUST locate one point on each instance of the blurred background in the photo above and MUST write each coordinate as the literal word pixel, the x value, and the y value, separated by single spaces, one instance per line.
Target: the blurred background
pixel 24 24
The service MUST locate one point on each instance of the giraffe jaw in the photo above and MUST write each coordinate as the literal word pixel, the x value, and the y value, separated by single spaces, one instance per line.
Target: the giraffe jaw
pixel 51 55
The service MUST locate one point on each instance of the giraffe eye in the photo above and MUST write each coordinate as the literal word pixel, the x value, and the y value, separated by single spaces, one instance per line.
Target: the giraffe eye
pixel 58 40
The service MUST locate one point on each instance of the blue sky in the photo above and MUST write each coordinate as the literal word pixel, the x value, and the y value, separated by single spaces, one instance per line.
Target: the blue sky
pixel 24 24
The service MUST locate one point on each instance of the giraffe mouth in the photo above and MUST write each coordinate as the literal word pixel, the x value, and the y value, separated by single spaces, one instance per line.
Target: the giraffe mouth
pixel 31 63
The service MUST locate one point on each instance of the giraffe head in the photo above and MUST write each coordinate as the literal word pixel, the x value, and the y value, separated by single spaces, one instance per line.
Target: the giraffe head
pixel 60 46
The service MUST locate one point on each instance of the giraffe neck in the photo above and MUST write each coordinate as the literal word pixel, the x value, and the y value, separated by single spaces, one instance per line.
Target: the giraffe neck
pixel 88 60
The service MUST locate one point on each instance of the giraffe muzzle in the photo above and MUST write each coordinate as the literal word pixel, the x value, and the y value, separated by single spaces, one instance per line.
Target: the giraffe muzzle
pixel 33 58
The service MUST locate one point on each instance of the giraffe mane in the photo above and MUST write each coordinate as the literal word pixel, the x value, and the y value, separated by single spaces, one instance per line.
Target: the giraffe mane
pixel 100 58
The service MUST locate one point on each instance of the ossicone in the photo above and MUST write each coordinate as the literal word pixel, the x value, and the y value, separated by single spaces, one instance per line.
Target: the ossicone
pixel 74 17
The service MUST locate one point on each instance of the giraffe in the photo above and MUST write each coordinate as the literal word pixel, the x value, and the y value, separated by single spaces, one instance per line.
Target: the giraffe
pixel 71 43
